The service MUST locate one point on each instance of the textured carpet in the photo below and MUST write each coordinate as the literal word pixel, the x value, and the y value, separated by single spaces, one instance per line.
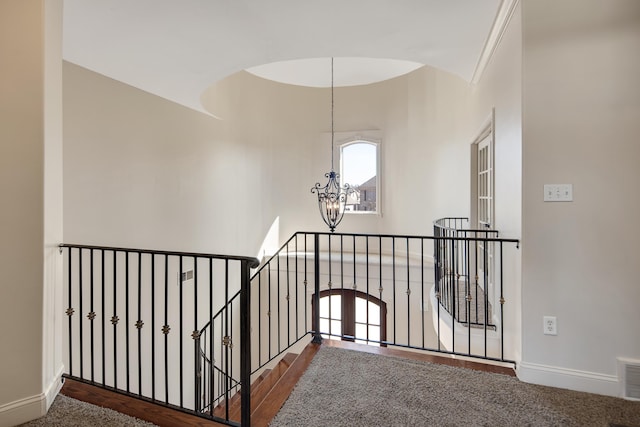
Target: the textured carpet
pixel 68 412
pixel 348 388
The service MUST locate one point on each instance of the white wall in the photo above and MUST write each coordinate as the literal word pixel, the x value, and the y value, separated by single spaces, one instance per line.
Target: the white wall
pixel 30 131
pixel 581 103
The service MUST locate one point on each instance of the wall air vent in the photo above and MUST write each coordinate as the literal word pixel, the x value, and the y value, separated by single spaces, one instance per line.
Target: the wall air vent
pixel 187 275
pixel 629 376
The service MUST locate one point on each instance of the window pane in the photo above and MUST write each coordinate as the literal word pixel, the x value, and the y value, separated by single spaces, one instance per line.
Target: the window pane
pixel 361 310
pixel 374 333
pixel 359 169
pixel 336 307
pixel 374 313
pixel 324 307
pixel 336 327
pixel 324 326
pixel 361 331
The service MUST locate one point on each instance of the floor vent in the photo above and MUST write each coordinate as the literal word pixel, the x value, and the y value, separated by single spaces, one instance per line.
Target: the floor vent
pixel 629 375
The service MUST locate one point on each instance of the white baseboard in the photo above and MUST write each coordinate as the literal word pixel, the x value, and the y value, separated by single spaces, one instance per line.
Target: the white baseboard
pixel 32 407
pixel 53 388
pixel 571 379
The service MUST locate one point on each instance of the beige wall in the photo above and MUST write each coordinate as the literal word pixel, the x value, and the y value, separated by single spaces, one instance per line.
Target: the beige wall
pixel 30 135
pixel 271 146
pixel 136 164
pixel 581 103
pixel 144 172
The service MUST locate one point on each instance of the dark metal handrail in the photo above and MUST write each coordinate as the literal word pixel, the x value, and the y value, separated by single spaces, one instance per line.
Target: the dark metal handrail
pixel 252 262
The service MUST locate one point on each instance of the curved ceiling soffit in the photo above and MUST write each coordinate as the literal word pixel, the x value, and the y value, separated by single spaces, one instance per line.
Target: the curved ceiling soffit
pixel 175 50
pixel 308 72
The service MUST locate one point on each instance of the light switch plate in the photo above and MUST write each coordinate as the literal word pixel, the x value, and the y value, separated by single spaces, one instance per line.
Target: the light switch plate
pixel 558 192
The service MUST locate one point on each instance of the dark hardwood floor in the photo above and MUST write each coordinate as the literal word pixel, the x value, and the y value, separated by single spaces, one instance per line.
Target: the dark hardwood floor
pixel 141 409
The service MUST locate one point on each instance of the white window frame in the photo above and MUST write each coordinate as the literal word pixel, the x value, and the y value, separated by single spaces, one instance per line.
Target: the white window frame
pixel 355 138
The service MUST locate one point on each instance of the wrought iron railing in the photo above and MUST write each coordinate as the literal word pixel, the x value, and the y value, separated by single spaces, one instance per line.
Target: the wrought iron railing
pixel 407 274
pixel 464 268
pixel 134 320
pixel 138 327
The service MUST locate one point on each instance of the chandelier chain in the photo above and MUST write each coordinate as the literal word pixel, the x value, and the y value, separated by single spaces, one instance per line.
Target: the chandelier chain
pixel 332 107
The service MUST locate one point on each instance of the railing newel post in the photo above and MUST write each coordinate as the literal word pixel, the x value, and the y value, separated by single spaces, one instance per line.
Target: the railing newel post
pixel 245 345
pixel 317 338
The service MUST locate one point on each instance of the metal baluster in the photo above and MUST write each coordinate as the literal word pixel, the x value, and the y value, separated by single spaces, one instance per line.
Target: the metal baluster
pixel 139 323
pixel 181 334
pixel 422 303
pixel 296 285
pixel 245 345
pixel 196 339
pixel 330 285
pixel 408 297
pixel 501 305
pixel 288 297
pixel 278 298
pixel 81 311
pixel 211 358
pixel 393 262
pixel 366 244
pixel 269 304
pixel 306 314
pixel 92 314
pixel 104 377
pixel 317 338
pixel 126 315
pixel 260 318
pixel 166 329
pixel 227 371
pixel 114 320
pixel 153 326
pixel 486 293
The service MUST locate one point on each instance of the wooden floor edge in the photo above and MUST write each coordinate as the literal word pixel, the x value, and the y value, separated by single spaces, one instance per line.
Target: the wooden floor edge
pixel 138 408
pixel 270 406
pixel 441 359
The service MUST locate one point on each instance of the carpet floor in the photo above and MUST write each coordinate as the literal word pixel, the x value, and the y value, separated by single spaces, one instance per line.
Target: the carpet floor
pixel 68 412
pixel 348 388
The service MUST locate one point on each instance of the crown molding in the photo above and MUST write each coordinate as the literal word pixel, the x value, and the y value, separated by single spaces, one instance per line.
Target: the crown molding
pixel 503 16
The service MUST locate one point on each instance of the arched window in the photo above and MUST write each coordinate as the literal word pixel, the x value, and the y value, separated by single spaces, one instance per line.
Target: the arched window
pixel 359 167
pixel 352 316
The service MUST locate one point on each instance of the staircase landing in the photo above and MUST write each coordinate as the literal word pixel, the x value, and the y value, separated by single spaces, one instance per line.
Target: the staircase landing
pixel 269 393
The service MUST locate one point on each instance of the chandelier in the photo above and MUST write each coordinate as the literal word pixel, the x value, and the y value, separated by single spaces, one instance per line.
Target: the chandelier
pixel 332 198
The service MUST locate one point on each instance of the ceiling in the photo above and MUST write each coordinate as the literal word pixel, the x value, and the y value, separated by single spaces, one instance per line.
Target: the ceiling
pixel 176 49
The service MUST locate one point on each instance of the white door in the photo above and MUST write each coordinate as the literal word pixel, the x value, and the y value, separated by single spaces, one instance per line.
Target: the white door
pixel 485 215
pixel 485 184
